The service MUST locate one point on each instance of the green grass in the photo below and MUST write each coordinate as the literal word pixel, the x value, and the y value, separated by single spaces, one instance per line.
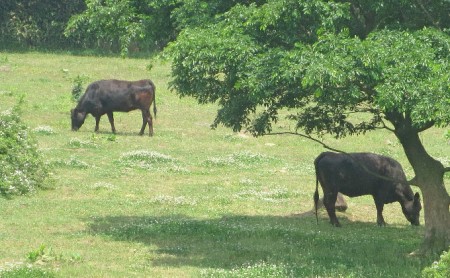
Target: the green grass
pixel 189 201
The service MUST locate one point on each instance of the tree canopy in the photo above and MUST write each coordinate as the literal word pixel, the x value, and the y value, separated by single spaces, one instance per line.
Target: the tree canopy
pixel 310 56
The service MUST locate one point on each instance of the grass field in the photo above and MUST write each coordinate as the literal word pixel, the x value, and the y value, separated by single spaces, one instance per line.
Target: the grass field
pixel 190 201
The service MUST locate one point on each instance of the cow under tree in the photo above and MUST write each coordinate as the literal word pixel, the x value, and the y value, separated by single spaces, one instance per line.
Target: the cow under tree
pixel 108 96
pixel 357 174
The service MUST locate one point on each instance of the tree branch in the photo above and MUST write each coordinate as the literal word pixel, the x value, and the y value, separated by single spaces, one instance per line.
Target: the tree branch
pixel 307 137
pixel 386 127
pixel 410 182
pixel 426 126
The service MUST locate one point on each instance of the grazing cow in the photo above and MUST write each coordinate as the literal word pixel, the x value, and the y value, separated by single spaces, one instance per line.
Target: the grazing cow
pixel 108 96
pixel 357 174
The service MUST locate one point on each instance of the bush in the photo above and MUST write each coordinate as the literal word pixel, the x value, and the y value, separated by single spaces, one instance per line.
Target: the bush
pixel 439 269
pixel 22 169
pixel 77 88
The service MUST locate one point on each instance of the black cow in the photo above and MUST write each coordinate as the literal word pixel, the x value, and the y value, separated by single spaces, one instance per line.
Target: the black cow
pixel 357 174
pixel 108 96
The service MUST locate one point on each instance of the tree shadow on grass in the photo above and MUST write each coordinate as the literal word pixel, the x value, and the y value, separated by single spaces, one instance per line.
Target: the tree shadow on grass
pixel 297 243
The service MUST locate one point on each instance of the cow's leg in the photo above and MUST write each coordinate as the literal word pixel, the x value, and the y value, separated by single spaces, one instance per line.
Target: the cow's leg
pixel 146 119
pixel 111 121
pixel 97 122
pixel 329 200
pixel 380 205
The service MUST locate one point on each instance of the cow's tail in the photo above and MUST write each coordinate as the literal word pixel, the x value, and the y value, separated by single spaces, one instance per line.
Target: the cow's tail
pixel 316 194
pixel 154 98
pixel 316 198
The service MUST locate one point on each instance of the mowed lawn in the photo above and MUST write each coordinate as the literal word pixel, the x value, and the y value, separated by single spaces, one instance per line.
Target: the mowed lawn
pixel 190 201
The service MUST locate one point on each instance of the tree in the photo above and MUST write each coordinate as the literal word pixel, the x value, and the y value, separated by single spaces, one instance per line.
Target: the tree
pixel 341 68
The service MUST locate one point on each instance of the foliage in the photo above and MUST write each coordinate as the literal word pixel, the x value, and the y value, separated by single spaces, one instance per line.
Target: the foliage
pixel 34 255
pixel 225 62
pixel 36 23
pixel 197 13
pixel 391 73
pixel 124 25
pixel 439 269
pixel 44 255
pixel 22 169
pixel 77 87
pixel 118 26
pixel 111 24
pixel 130 25
pixel 255 57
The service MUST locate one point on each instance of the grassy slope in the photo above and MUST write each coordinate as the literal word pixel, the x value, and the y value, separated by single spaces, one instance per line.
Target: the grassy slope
pixel 204 202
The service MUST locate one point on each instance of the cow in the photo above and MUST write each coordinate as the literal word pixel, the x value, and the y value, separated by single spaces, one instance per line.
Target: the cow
pixel 357 174
pixel 108 96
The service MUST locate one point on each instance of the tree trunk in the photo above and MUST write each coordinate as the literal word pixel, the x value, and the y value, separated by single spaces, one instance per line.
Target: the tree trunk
pixel 437 217
pixel 430 179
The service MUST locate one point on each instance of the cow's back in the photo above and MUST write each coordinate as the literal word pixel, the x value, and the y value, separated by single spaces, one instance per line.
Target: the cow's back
pixel 112 95
pixel 356 174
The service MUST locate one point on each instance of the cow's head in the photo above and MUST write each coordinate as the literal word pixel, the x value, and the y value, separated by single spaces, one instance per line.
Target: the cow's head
pixel 78 118
pixel 411 210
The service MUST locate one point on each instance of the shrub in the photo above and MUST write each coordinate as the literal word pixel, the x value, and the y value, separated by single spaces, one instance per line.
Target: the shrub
pixel 439 269
pixel 22 169
pixel 77 87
